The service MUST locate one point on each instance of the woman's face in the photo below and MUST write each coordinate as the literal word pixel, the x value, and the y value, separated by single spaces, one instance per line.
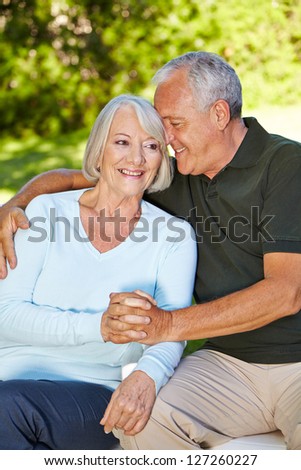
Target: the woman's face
pixel 131 157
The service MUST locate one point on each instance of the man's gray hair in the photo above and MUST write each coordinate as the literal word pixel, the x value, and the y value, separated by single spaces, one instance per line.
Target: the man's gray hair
pixel 149 120
pixel 210 77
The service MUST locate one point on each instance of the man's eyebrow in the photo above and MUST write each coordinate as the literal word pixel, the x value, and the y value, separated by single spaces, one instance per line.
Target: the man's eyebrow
pixel 174 118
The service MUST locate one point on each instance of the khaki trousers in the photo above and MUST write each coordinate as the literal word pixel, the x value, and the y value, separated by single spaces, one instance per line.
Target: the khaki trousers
pixel 213 397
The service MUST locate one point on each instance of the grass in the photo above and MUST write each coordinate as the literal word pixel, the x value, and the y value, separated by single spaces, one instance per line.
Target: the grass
pixel 21 160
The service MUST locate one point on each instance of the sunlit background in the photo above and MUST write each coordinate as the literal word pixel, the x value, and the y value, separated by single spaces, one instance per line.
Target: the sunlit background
pixel 62 60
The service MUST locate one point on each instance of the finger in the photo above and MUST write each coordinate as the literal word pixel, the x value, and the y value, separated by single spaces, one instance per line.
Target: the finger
pixel 106 414
pixel 146 295
pixel 118 339
pixel 134 302
pixel 127 424
pixel 133 320
pixel 138 427
pixel 129 336
pixel 138 298
pixel 112 415
pixel 129 414
pixel 112 295
pixel 126 324
pixel 3 268
pixel 117 297
pixel 107 426
pixel 8 251
pixel 107 421
pixel 21 221
pixel 124 312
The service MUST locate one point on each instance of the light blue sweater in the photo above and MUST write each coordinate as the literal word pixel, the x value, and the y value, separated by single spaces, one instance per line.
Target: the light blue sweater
pixel 51 304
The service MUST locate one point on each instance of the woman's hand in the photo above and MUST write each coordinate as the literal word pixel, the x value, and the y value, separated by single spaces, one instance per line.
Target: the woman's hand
pixel 110 324
pixel 11 218
pixel 131 404
pixel 134 316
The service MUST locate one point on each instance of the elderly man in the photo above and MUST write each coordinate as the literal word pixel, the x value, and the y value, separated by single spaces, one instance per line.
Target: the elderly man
pixel 239 188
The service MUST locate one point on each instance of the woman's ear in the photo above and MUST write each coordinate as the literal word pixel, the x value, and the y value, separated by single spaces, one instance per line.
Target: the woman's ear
pixel 98 165
pixel 220 113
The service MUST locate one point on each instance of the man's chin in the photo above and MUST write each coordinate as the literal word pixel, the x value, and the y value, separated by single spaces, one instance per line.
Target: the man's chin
pixel 182 169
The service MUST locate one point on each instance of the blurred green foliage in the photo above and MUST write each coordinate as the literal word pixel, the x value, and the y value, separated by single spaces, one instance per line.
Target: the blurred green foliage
pixel 61 60
pixel 22 159
pixel 192 346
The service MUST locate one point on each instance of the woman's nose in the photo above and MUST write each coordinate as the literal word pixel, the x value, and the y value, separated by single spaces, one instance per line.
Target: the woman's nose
pixel 136 155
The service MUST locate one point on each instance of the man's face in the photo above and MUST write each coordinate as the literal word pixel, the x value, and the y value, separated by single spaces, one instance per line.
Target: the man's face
pixel 192 134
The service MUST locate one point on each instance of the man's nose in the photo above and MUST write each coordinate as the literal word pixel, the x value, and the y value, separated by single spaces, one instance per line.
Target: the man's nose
pixel 169 134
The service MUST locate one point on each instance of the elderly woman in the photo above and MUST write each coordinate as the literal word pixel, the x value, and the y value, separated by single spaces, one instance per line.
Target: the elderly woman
pixel 57 372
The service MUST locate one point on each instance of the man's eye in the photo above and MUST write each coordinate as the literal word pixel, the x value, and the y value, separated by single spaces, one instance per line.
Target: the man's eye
pixel 175 124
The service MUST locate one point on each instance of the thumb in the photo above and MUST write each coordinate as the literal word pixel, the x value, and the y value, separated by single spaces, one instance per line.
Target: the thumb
pixel 21 221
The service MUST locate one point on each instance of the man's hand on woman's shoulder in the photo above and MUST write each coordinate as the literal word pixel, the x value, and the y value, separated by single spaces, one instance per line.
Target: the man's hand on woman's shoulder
pixel 11 218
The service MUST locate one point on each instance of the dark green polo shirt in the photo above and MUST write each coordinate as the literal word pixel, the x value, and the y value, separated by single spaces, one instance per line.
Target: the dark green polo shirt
pixel 251 207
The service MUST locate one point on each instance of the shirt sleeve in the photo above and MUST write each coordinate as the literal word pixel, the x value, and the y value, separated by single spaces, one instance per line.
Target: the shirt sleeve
pixel 280 224
pixel 176 276
pixel 22 321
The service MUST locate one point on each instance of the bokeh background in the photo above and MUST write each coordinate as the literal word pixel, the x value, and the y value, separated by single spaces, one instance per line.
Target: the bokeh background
pixel 62 60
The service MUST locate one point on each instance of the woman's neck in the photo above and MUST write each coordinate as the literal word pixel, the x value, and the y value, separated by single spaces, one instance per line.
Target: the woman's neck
pixel 100 200
pixel 108 219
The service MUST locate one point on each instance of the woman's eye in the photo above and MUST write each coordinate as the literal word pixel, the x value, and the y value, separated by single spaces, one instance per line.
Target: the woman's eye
pixel 122 142
pixel 152 146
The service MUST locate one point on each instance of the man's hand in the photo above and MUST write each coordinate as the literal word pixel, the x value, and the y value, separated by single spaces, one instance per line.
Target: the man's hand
pixel 11 218
pixel 133 316
pixel 131 404
pixel 134 299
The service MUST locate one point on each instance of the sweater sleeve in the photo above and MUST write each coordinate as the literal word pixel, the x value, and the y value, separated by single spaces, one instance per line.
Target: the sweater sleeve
pixel 21 320
pixel 175 282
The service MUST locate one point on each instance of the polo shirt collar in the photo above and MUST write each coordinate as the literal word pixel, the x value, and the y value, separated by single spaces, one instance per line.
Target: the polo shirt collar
pixel 252 146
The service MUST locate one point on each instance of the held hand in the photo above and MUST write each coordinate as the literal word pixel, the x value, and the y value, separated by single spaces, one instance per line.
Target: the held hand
pixel 138 298
pixel 122 323
pixel 109 324
pixel 131 404
pixel 11 218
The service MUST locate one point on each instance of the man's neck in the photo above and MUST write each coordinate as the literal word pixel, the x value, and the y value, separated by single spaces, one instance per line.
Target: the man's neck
pixel 234 135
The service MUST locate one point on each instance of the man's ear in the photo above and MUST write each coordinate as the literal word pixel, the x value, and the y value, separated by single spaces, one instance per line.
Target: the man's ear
pixel 220 113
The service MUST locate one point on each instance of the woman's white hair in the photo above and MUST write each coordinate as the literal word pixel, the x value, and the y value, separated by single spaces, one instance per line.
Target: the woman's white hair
pixel 150 122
